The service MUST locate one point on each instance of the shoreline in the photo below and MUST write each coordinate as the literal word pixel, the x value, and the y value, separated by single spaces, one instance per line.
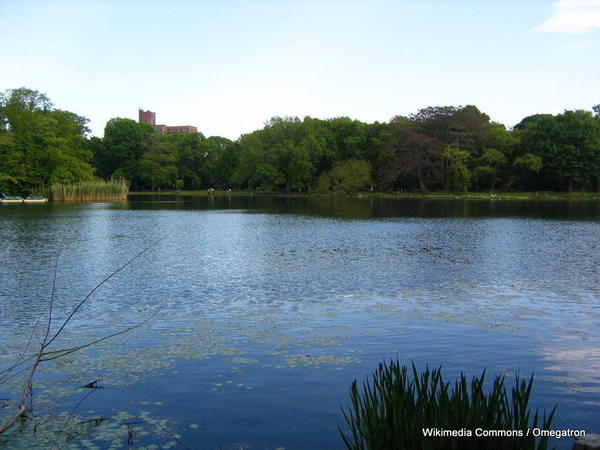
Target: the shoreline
pixel 437 195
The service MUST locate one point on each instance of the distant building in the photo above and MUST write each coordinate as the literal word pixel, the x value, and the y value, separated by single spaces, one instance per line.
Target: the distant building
pixel 162 129
pixel 149 117
pixel 165 129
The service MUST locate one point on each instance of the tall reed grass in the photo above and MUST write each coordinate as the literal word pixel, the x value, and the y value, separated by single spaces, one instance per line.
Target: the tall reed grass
pixel 394 410
pixel 90 190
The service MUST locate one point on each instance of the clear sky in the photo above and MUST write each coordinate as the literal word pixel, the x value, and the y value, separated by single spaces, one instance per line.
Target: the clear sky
pixel 228 66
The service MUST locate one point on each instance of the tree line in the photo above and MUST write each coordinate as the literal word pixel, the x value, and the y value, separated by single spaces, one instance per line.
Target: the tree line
pixel 437 148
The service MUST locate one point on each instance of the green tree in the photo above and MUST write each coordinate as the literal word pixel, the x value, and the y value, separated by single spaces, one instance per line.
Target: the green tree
pixel 123 149
pixel 283 155
pixel 213 150
pixel 190 155
pixel 226 165
pixel 350 138
pixel 568 144
pixel 503 140
pixel 525 167
pixel 458 173
pixel 490 164
pixel 267 177
pixel 40 145
pixel 157 167
pixel 345 177
pixel 463 126
pixel 251 154
pixel 12 164
pixel 300 170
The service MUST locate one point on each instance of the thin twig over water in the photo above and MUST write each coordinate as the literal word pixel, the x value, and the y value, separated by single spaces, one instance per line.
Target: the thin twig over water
pixel 42 355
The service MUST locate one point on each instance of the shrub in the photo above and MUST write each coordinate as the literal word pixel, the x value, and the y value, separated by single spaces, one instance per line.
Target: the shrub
pixel 394 410
pixel 345 177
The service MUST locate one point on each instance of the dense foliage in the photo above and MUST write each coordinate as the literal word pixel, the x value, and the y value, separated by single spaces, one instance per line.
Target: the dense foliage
pixel 40 145
pixel 395 408
pixel 449 148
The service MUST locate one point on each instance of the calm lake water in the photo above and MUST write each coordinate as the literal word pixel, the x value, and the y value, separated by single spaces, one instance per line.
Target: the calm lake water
pixel 268 308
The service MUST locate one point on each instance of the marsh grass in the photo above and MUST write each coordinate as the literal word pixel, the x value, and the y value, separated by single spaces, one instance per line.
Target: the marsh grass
pixel 392 410
pixel 90 190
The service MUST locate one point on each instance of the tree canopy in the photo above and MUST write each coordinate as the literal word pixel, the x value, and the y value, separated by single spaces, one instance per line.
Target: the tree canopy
pixel 441 147
pixel 39 144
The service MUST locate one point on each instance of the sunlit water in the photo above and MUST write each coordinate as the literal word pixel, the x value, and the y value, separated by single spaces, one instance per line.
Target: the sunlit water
pixel 268 308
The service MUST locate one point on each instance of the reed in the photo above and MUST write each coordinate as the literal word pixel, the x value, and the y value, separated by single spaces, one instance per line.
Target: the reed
pixel 394 410
pixel 90 190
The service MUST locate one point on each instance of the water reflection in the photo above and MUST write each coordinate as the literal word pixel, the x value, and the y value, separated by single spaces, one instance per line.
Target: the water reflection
pixel 364 208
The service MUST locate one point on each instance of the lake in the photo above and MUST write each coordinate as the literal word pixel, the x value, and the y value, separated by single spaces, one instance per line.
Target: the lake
pixel 267 308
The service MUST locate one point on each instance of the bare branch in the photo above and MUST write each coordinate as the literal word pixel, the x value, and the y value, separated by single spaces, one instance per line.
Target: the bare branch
pixel 68 351
pixel 19 361
pixel 42 356
pixel 46 344
pixel 24 395
pixel 73 412
pixel 24 369
pixel 170 433
pixel 51 305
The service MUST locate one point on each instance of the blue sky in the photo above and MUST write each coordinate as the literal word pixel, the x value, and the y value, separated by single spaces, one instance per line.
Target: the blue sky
pixel 228 66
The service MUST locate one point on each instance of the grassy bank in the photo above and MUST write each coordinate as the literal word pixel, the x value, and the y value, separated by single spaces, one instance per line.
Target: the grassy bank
pixel 436 194
pixel 498 195
pixel 202 193
pixel 90 191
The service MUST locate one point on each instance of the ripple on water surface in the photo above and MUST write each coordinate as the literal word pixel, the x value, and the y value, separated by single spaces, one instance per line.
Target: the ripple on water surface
pixel 263 306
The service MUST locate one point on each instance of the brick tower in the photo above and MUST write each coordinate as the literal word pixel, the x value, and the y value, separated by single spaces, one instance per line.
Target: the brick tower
pixel 147 117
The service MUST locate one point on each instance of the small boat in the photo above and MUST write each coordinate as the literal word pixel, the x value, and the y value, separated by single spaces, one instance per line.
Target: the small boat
pixel 11 199
pixel 35 199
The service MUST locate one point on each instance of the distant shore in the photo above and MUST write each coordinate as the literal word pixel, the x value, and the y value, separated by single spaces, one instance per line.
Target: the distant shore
pixel 432 195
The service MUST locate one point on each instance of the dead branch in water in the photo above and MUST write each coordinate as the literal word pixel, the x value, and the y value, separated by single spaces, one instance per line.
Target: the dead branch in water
pixel 43 354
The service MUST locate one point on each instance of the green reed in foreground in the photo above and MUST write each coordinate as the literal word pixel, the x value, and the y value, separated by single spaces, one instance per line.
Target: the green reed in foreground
pixel 90 190
pixel 396 411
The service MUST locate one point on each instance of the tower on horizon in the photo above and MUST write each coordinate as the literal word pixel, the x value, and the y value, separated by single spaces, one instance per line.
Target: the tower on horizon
pixel 148 117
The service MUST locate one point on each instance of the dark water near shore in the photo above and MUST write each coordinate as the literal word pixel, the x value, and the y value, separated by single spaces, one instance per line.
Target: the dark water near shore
pixel 268 308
